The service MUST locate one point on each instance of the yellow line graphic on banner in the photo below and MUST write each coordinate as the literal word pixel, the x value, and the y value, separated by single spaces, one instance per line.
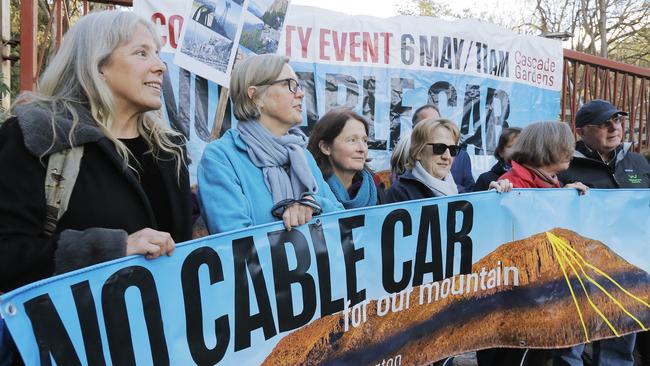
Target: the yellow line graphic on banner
pixel 597 270
pixel 584 289
pixel 566 255
pixel 621 306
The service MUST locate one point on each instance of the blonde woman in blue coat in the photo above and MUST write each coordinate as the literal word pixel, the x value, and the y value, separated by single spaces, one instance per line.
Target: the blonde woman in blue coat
pixel 261 171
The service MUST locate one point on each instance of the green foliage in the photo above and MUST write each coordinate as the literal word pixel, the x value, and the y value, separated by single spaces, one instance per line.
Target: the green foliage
pixel 252 40
pixel 44 45
pixel 4 88
pixel 273 19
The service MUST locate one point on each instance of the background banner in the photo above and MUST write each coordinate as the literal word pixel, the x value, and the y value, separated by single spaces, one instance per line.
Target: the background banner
pixel 411 282
pixel 481 76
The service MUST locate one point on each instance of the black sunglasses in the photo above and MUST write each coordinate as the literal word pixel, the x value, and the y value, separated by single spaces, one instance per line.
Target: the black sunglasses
pixel 439 149
pixel 292 84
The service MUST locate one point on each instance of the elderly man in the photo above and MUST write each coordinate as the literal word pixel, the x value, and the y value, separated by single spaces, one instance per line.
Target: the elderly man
pixel 602 160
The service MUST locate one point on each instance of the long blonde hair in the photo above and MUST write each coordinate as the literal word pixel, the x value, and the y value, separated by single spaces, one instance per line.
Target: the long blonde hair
pixel 72 82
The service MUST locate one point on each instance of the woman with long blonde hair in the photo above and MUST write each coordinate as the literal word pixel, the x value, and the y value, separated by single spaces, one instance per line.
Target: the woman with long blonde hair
pixel 101 93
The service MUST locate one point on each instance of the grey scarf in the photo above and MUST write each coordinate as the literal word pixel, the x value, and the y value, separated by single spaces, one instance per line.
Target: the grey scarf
pixel 282 159
pixel 439 187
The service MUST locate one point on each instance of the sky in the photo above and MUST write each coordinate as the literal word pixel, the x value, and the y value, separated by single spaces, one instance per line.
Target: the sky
pixel 388 8
pixel 377 8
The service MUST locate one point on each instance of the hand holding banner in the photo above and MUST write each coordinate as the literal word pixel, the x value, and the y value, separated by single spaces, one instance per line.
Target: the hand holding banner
pixel 414 281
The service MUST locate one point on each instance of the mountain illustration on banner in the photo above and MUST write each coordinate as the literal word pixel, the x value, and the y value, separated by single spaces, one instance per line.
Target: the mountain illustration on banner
pixel 573 287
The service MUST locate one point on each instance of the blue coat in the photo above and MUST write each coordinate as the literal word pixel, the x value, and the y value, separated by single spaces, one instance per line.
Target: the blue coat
pixel 232 191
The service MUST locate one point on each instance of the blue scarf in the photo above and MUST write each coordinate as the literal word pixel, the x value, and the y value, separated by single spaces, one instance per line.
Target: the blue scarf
pixel 366 196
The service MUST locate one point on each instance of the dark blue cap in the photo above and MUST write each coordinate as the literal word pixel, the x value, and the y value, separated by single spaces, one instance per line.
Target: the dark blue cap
pixel 596 112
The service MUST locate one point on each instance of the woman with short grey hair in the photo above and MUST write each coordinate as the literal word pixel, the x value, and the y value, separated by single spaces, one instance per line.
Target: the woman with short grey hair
pixel 542 150
pixel 261 171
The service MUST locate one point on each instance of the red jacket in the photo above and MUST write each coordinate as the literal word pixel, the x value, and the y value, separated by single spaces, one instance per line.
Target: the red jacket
pixel 522 177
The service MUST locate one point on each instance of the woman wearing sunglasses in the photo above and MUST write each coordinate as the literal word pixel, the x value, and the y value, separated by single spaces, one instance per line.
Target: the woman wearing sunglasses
pixel 434 144
pixel 261 171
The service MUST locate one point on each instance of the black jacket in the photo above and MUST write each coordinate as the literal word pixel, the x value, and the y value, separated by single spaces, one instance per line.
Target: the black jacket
pixel 407 188
pixel 628 169
pixel 107 202
pixel 492 175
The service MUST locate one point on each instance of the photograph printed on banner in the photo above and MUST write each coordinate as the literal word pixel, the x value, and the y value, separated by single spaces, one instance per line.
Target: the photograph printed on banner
pixel 262 28
pixel 209 36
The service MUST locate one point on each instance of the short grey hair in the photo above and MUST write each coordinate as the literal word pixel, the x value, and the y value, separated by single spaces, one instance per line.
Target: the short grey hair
pixel 253 71
pixel 423 132
pixel 543 143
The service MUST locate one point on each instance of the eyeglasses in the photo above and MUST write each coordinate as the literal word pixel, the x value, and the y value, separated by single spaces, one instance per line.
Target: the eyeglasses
pixel 292 84
pixel 612 122
pixel 616 120
pixel 439 149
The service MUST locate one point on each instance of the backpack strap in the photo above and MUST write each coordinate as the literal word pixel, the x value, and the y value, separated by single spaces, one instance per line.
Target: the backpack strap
pixel 60 177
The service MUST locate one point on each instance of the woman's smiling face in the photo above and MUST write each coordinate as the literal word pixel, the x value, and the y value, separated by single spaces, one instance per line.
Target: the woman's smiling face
pixel 437 165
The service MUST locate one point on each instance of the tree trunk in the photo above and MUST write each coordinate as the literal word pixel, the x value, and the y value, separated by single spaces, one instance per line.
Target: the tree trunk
pixel 602 25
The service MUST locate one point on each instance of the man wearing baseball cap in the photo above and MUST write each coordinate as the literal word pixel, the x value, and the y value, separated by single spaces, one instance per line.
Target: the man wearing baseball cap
pixel 602 160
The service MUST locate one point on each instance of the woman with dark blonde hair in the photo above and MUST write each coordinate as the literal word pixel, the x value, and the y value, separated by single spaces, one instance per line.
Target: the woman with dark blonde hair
pixel 261 171
pixel 100 94
pixel 433 146
pixel 339 144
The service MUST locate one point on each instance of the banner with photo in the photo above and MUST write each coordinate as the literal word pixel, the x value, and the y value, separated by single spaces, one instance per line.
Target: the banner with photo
pixel 262 27
pixel 482 76
pixel 406 283
pixel 209 38
pixel 216 30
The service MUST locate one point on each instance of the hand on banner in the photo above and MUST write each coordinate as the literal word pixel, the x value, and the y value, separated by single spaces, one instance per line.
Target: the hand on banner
pixel 296 215
pixel 502 185
pixel 582 189
pixel 150 243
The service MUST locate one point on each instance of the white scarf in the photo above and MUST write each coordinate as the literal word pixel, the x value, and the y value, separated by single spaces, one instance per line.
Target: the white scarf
pixel 439 187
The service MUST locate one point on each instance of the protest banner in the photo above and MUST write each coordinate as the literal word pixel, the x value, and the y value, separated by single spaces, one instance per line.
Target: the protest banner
pixel 481 76
pixel 406 283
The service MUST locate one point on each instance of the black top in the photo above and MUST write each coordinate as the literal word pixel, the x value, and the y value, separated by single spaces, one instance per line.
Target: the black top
pixel 627 170
pixel 492 175
pixel 407 188
pixel 151 181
